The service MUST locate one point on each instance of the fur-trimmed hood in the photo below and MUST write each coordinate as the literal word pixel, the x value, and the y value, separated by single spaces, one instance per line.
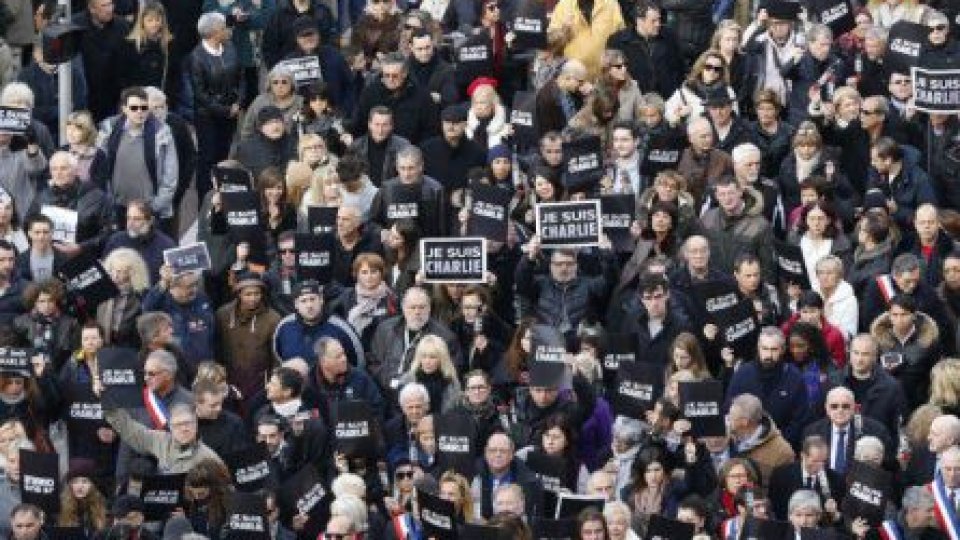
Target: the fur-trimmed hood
pixel 926 335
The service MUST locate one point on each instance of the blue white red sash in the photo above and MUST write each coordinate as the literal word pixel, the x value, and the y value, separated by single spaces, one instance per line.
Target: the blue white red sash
pixel 943 508
pixel 730 529
pixel 159 415
pixel 887 287
pixel 405 528
pixel 889 530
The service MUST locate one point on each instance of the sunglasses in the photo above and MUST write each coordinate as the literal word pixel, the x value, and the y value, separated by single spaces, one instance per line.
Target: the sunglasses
pixel 139 108
pixel 711 67
pixel 403 475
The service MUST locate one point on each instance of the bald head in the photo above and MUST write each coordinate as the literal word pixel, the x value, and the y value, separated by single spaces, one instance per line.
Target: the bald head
pixel 700 133
pixel 572 75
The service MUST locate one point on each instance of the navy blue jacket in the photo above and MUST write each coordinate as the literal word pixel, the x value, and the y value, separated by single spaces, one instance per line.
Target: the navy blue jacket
pixel 294 338
pixel 784 396
pixel 193 324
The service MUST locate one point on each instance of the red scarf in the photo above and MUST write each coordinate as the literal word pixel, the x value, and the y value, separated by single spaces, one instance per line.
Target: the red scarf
pixel 729 506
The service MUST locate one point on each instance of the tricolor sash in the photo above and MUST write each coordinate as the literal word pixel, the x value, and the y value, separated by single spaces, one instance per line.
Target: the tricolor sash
pixel 943 508
pixel 887 287
pixel 405 528
pixel 889 530
pixel 159 415
pixel 729 530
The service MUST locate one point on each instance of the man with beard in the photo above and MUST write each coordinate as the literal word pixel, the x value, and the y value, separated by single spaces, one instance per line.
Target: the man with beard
pixel 334 380
pixel 298 333
pixel 141 236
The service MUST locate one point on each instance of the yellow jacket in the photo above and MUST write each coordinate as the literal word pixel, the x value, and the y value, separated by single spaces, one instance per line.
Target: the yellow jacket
pixel 589 40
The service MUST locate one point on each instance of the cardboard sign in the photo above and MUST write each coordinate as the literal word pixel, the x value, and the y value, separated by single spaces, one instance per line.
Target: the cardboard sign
pixel 250 468
pixel 664 528
pixel 189 258
pixel 16 361
pixel 583 163
pixel 663 151
pixel 247 517
pixel 700 403
pixel 529 26
pixel 322 219
pixel 716 297
pixel 868 490
pixel 302 493
pixel 790 264
pixel 14 120
pixel 936 90
pixel 522 118
pixel 739 328
pixel 904 43
pixel 436 516
pixel 489 212
pixel 354 428
pixel 639 385
pixel 456 436
pixel 570 224
pixel 315 256
pixel 121 374
pixel 64 223
pixel 618 213
pixel 306 70
pixel 161 495
pixel 40 480
pixel 837 14
pixel 453 260
pixel 230 180
pixel 87 281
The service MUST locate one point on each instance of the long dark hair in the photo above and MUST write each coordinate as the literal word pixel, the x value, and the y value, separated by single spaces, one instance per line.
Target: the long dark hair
pixel 818 351
pixel 516 357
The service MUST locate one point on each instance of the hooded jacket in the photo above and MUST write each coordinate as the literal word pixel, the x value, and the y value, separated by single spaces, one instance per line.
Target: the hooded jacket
pixel 731 235
pixel 769 450
pixel 19 174
pixel 841 310
pixel 919 353
pixel 150 246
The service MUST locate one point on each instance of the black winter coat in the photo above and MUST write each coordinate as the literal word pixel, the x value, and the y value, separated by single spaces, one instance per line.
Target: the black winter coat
pixel 279 39
pixel 93 211
pixel 257 152
pixel 99 48
pixel 655 63
pixel 415 115
pixel 216 81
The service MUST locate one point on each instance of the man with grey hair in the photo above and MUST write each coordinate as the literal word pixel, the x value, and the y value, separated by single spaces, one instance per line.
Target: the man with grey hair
pixel 392 203
pixel 747 166
pixel 916 518
pixel 754 435
pixel 844 426
pixel 401 431
pixel 905 277
pixel 627 436
pixel 702 163
pixel 335 380
pixel 415 114
pixel 183 143
pixel 778 384
pixel 804 509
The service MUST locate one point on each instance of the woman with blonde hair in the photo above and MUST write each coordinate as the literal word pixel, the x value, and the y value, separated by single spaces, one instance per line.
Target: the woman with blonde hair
pixel 433 368
pixel 710 73
pixel 145 54
pixel 324 190
pixel 456 489
pixel 118 315
pixel 81 503
pixel 846 105
pixel 487 123
pixel 886 13
pixel 82 143
pixel 945 385
pixel 726 39
pixel 686 354
pixel 298 177
pixel 312 150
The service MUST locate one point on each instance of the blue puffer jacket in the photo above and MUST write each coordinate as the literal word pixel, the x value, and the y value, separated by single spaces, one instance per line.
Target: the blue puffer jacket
pixel 193 323
pixel 294 338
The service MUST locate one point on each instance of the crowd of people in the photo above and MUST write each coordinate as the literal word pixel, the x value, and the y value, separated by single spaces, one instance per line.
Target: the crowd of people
pixel 772 150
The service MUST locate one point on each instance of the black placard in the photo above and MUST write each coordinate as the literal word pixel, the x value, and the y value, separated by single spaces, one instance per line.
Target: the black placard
pixel 121 374
pixel 16 361
pixel 230 180
pixel 569 505
pixel 529 26
pixel 904 43
pixel 67 533
pixel 716 297
pixel 453 260
pixel 837 14
pixel 242 212
pixel 474 58
pixel 473 531
pixel 570 224
pixel 14 120
pixel 739 328
pixel 700 403
pixel 868 490
pixel 554 529
pixel 583 163
pixel 456 436
pixel 405 204
pixel 436 516
pixel 489 212
pixel 247 517
pixel 790 265
pixel 250 468
pixel 306 70
pixel 322 219
pixel 40 480
pixel 85 413
pixel 936 90
pixel 87 281
pixel 189 258
pixel 354 429
pixel 664 528
pixel 315 256
pixel 638 386
pixel 302 494
pixel 550 470
pixel 619 212
pixel 522 118
pixel 161 495
pixel 619 348
pixel 663 151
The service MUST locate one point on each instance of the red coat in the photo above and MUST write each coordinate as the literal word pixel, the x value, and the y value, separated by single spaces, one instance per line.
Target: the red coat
pixel 831 335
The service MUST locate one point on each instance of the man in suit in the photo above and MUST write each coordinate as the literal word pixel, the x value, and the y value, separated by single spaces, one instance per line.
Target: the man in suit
pixel 811 473
pixel 944 433
pixel 842 418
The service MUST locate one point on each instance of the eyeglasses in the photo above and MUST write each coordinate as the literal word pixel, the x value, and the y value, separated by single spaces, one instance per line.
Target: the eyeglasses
pixel 477 388
pixel 712 67
pixel 844 406
pixel 616 66
pixel 870 112
pixel 938 28
pixel 280 81
pixel 138 108
pixel 403 475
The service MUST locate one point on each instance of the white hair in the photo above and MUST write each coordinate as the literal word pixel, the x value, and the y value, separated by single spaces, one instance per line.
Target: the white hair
pixel 741 151
pixel 210 22
pixel 412 390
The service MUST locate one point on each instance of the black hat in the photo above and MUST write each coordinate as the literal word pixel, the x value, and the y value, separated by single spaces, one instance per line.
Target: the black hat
pixel 307 286
pixel 784 10
pixel 269 113
pixel 717 97
pixel 126 504
pixel 304 26
pixel 454 113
